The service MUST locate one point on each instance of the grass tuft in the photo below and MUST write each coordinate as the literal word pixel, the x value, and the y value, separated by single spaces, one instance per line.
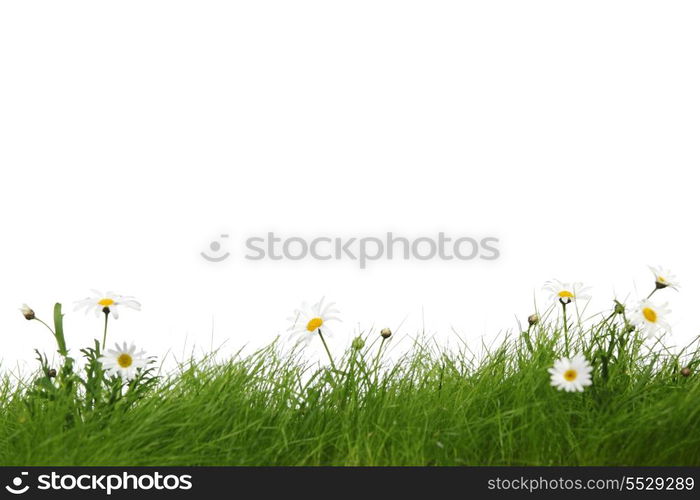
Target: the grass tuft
pixel 430 407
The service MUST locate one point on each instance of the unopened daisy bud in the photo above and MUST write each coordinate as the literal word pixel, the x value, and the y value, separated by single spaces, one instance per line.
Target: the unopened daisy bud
pixel 533 319
pixel 51 373
pixel 686 372
pixel 358 343
pixel 385 333
pixel 27 312
pixel 619 308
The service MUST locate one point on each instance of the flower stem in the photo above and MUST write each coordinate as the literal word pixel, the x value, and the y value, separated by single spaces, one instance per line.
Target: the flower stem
pixel 652 293
pixel 379 355
pixel 104 335
pixel 59 338
pixel 566 328
pixel 526 336
pixel 46 325
pixel 327 350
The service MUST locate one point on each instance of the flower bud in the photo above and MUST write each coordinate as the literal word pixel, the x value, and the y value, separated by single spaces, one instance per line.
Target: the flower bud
pixel 27 312
pixel 385 333
pixel 51 373
pixel 533 319
pixel 686 372
pixel 619 308
pixel 358 343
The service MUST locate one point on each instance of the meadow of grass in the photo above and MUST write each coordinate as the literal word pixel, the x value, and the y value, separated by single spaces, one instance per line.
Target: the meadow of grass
pixel 428 407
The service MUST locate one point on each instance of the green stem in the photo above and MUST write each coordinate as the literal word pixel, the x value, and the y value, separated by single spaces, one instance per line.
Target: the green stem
pixel 61 348
pixel 327 350
pixel 379 355
pixel 58 332
pixel 526 336
pixel 46 325
pixel 652 293
pixel 566 329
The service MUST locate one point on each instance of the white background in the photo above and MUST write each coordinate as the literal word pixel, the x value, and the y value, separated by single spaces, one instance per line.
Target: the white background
pixel 132 133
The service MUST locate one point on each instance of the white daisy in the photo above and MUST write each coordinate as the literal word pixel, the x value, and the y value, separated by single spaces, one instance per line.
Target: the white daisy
pixel 308 320
pixel 650 318
pixel 123 361
pixel 108 302
pixel 664 278
pixel 571 375
pixel 566 292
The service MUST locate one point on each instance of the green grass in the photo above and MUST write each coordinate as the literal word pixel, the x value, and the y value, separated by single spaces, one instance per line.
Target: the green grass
pixel 431 407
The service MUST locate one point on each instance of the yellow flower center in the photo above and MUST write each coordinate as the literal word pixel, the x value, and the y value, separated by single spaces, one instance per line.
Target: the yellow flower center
pixel 570 375
pixel 661 279
pixel 649 314
pixel 106 302
pixel 565 294
pixel 125 360
pixel 314 324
